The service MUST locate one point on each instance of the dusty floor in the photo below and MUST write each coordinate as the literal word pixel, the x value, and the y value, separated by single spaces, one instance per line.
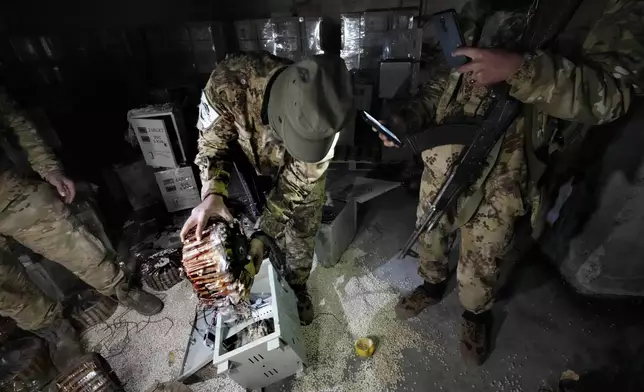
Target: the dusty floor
pixel 541 329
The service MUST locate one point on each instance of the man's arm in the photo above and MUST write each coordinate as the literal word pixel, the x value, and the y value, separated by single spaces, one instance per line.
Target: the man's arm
pixel 601 88
pixel 41 158
pixel 421 110
pixel 216 129
pixel 212 159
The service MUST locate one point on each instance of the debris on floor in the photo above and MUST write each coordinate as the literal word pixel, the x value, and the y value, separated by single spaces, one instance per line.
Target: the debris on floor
pixel 139 348
pixel 350 302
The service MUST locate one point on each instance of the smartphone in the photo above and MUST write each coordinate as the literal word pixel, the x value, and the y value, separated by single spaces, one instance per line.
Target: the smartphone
pixel 381 129
pixel 449 36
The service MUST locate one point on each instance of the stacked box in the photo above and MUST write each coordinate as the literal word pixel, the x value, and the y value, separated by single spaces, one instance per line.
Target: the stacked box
pixel 208 45
pixel 279 36
pixel 370 37
pixel 312 36
pixel 352 28
pixel 246 35
pixel 402 45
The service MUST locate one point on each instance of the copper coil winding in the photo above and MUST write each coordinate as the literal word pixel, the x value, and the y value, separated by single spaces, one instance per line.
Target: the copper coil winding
pixel 86 314
pixel 93 374
pixel 215 264
pixel 160 271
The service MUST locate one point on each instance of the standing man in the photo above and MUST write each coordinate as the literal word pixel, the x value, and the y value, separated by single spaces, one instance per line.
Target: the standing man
pixel 589 75
pixel 286 118
pixel 34 215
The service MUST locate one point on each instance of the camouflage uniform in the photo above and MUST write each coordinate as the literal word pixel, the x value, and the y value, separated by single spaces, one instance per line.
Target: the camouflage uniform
pixel 597 87
pixel 32 214
pixel 293 211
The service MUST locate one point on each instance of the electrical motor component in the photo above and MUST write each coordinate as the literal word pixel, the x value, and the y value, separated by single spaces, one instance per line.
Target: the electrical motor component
pixel 88 312
pixel 160 271
pixel 92 374
pixel 216 265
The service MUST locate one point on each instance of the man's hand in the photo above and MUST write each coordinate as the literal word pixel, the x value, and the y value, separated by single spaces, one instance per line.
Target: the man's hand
pixel 213 205
pixel 394 122
pixel 488 66
pixel 65 187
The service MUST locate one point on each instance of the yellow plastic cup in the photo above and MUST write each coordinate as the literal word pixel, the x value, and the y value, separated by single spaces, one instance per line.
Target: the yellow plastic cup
pixel 364 347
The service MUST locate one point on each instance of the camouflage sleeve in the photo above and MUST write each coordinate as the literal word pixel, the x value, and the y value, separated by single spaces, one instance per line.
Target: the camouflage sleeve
pixel 212 158
pixel 601 87
pixel 41 157
pixel 421 110
pixel 297 196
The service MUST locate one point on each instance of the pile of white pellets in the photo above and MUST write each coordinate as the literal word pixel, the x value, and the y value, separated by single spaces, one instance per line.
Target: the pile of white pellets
pixel 364 305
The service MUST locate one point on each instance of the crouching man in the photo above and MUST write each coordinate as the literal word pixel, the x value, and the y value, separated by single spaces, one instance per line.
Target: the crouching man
pixel 286 119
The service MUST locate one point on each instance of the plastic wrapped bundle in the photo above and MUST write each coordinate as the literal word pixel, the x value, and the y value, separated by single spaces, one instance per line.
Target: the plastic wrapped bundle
pixel 404 20
pixel 216 265
pixel 352 28
pixel 402 44
pixel 280 36
pixel 312 41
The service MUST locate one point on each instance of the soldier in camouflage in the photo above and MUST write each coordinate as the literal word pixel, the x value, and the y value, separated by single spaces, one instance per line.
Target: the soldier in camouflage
pixel 286 118
pixel 589 75
pixel 32 214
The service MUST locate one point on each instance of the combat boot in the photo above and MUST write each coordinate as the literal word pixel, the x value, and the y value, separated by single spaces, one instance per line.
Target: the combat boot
pixel 423 296
pixel 475 337
pixel 304 304
pixel 141 301
pixel 64 344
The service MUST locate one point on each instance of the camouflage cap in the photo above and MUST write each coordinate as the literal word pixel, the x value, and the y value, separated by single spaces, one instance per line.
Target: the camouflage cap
pixel 309 103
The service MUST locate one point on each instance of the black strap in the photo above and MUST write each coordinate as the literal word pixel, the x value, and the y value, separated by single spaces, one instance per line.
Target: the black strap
pixel 440 135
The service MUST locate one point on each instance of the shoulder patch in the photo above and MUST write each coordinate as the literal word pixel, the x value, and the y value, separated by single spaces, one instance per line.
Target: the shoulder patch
pixel 208 116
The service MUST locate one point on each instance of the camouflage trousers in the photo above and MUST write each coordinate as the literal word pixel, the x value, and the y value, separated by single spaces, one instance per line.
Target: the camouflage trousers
pixel 486 235
pixel 293 214
pixel 39 220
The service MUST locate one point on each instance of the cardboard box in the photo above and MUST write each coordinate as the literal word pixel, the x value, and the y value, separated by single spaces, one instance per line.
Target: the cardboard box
pixel 178 188
pixel 161 134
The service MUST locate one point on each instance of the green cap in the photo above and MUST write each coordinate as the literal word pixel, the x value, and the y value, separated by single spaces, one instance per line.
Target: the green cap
pixel 311 101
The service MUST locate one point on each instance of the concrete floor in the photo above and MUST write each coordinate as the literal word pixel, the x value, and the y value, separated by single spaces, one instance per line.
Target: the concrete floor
pixel 541 328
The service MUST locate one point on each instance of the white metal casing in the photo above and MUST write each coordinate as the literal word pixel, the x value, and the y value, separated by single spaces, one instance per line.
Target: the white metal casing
pixel 178 188
pixel 271 358
pixel 160 132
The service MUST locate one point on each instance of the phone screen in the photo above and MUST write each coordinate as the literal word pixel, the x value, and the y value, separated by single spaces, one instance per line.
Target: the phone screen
pixel 381 128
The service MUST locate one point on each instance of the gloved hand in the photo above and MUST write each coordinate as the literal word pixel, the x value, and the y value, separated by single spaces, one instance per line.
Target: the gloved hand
pixel 256 253
pixel 213 205
pixel 65 187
